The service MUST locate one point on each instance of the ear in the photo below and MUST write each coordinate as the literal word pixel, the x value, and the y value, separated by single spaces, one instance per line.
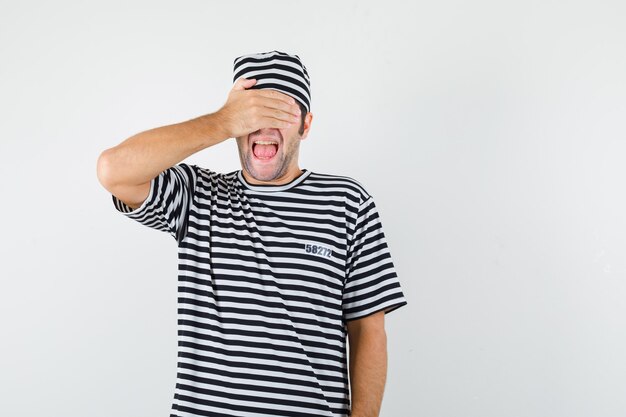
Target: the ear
pixel 308 119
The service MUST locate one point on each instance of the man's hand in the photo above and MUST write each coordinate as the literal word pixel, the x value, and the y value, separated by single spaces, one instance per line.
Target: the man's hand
pixel 247 111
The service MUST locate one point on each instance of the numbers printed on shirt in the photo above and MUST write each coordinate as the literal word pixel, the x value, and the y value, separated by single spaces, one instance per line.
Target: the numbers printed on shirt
pixel 318 250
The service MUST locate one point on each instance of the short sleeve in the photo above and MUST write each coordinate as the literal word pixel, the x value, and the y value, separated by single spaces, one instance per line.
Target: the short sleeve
pixel 371 283
pixel 168 203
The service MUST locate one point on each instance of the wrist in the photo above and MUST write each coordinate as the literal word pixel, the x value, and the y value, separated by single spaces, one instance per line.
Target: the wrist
pixel 213 127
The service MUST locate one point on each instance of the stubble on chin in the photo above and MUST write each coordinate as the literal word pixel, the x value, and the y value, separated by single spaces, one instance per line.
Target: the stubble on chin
pixel 276 172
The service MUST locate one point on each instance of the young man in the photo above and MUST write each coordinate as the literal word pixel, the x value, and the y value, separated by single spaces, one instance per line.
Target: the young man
pixel 279 267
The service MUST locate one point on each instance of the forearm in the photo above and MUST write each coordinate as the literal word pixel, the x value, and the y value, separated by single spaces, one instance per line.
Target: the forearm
pixel 368 371
pixel 143 156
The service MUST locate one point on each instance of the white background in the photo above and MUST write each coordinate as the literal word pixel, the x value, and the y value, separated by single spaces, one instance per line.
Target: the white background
pixel 491 134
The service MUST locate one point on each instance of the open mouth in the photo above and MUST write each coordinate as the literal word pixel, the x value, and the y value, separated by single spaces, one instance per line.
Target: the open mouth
pixel 264 149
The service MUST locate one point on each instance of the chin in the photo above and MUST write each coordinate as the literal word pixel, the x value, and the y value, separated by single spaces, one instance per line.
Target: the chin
pixel 265 170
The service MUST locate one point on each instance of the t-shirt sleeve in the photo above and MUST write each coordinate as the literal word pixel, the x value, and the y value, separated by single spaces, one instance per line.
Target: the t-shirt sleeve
pixel 168 203
pixel 371 283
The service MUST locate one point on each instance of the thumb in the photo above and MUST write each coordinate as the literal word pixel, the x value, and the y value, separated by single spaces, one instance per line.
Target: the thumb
pixel 243 83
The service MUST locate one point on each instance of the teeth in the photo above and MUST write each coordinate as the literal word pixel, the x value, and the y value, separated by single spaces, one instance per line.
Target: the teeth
pixel 265 142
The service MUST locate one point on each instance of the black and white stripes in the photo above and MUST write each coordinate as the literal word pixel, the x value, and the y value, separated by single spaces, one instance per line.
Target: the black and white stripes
pixel 268 276
pixel 278 71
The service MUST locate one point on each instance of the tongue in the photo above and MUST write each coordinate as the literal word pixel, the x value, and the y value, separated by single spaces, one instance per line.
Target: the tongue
pixel 264 151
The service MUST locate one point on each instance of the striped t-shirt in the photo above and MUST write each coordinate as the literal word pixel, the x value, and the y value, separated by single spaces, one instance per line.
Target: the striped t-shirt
pixel 268 275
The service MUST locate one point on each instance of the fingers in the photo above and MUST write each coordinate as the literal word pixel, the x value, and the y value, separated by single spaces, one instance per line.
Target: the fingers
pixel 270 112
pixel 279 106
pixel 269 93
pixel 243 83
pixel 271 122
pixel 270 98
pixel 279 114
pixel 261 107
